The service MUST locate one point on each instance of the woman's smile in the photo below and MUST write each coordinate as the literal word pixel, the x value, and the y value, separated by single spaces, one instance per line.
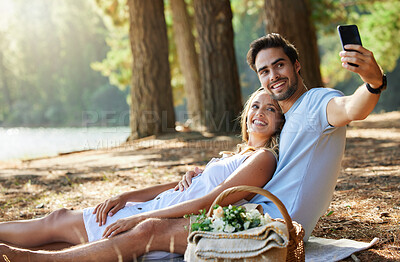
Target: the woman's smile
pixel 262 119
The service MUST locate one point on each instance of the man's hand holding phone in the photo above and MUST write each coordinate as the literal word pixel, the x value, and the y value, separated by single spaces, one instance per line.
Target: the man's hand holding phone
pixel 358 59
pixel 368 69
pixel 349 35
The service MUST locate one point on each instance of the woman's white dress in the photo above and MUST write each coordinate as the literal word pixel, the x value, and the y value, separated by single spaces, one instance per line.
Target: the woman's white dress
pixel 216 171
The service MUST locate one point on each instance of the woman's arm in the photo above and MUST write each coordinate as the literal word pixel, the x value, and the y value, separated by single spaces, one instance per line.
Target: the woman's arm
pixel 257 170
pixel 114 204
pixel 148 193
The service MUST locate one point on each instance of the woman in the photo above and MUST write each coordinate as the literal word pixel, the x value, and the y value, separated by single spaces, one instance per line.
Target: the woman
pixel 253 164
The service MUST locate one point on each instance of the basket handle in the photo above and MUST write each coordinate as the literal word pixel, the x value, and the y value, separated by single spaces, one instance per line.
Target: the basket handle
pixel 260 191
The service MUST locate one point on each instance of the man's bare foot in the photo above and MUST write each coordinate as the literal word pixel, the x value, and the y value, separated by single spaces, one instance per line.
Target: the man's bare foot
pixel 11 254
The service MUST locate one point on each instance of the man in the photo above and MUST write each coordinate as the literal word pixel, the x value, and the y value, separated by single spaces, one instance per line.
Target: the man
pixel 313 137
pixel 311 148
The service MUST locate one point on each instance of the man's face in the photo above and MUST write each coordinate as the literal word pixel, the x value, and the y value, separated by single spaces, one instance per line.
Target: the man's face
pixel 277 73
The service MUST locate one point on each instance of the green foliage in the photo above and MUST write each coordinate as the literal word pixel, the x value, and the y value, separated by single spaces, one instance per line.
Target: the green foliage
pixel 47 48
pixel 379 27
pixel 229 219
pixel 248 25
pixel 202 222
pixel 114 12
pixel 327 14
pixel 381 32
pixel 117 65
pixel 329 213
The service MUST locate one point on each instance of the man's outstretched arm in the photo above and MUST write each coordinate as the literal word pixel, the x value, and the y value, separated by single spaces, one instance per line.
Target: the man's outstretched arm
pixel 343 110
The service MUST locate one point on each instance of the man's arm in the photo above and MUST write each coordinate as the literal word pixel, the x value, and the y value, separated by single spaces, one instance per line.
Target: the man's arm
pixel 343 110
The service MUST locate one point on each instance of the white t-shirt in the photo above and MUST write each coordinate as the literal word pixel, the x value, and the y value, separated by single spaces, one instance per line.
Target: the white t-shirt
pixel 310 153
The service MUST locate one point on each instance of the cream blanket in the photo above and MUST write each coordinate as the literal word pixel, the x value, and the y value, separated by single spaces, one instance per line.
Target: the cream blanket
pixel 272 237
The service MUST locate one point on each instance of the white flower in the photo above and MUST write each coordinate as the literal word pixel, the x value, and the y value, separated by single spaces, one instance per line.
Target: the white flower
pixel 253 214
pixel 229 228
pixel 242 220
pixel 218 213
pixel 217 225
pixel 265 219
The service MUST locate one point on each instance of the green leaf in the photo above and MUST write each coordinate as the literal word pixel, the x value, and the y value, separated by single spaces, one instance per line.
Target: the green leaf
pixel 330 213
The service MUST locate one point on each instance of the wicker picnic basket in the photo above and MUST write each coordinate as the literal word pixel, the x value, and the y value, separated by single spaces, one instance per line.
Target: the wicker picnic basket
pixel 295 249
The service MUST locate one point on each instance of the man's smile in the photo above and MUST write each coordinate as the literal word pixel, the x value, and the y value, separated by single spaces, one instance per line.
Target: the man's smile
pixel 277 85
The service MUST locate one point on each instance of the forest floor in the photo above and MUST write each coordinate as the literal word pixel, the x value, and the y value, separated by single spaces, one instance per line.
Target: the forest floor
pixel 366 203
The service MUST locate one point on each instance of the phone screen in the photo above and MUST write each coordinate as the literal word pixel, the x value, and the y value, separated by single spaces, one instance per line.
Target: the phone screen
pixel 349 35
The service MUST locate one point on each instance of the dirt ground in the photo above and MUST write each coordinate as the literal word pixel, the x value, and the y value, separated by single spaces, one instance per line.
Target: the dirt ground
pixel 366 203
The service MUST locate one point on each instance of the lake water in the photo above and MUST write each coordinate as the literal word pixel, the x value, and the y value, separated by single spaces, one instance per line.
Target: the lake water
pixel 25 143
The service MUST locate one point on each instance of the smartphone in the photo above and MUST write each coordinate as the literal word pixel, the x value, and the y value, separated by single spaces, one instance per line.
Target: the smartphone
pixel 349 35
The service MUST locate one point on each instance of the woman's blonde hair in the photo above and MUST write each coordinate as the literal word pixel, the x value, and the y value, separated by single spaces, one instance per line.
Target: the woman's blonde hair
pixel 273 142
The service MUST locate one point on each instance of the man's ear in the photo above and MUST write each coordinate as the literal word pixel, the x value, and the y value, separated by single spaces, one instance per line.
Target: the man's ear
pixel 297 66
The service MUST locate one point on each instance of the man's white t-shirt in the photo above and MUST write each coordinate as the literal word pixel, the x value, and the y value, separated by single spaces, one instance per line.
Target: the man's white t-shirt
pixel 310 154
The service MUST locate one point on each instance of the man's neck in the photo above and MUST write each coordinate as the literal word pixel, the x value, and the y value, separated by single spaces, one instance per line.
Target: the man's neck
pixel 288 103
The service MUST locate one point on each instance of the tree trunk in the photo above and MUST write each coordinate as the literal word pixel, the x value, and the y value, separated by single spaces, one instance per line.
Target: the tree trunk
pixel 152 110
pixel 218 71
pixel 188 60
pixel 291 19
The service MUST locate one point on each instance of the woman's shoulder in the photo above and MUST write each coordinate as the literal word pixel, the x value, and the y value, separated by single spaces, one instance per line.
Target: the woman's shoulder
pixel 264 154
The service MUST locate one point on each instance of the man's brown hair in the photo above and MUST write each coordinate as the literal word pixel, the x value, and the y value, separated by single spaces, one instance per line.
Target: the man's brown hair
pixel 268 41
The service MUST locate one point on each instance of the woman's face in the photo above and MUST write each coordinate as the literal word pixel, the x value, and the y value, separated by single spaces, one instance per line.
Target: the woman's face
pixel 263 117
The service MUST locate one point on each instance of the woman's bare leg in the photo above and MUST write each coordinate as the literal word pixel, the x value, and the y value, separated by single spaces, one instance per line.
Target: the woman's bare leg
pixel 62 225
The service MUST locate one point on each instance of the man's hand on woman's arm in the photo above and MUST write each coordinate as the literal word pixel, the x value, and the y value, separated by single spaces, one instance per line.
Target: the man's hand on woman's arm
pixel 187 179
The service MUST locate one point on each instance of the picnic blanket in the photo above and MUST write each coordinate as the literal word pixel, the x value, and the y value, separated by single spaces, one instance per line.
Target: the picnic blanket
pixel 323 249
pixel 317 249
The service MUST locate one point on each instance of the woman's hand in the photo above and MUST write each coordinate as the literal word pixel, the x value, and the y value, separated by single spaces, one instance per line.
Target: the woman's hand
pixel 187 179
pixel 109 207
pixel 121 225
